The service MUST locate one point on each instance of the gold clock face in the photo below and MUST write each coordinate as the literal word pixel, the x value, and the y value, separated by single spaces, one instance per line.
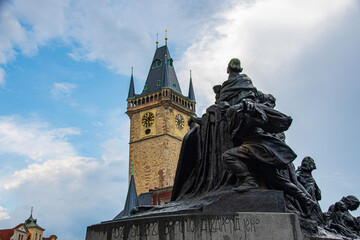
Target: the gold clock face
pixel 147 119
pixel 179 121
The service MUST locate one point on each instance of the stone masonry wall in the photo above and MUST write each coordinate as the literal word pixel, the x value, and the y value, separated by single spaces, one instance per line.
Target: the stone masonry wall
pixel 155 154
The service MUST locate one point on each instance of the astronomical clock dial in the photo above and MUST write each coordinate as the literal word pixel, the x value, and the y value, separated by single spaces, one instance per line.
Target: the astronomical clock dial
pixel 147 119
pixel 179 121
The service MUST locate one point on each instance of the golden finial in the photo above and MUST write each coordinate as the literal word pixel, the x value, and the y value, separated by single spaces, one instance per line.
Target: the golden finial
pixel 157 40
pixel 166 38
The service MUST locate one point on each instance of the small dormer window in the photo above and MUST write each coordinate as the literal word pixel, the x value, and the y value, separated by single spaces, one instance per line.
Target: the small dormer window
pixel 145 87
pixel 174 85
pixel 156 63
pixel 158 83
pixel 170 62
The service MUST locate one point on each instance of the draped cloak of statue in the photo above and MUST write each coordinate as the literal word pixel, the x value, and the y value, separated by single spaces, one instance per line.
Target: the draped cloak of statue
pixel 200 167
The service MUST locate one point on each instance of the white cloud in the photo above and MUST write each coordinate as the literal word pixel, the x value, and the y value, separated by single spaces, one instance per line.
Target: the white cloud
pixel 62 89
pixel 3 214
pixel 57 180
pixel 62 132
pixel 34 140
pixel 105 31
pixel 2 76
pixel 115 150
pixel 266 35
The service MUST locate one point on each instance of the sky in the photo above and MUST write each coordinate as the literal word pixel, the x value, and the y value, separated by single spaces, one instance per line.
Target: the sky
pixel 64 76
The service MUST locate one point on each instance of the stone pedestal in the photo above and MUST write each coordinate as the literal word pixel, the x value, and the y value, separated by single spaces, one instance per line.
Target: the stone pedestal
pixel 239 226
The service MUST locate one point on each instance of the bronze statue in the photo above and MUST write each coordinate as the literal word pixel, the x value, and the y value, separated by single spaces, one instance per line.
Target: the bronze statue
pixel 305 177
pixel 340 219
pixel 241 131
pixel 253 126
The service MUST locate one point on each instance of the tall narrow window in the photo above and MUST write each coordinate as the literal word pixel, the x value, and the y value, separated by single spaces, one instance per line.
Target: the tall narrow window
pixel 170 62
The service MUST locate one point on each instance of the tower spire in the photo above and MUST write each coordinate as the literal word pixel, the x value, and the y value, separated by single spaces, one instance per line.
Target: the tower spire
pixel 131 200
pixel 131 88
pixel 191 94
pixel 157 40
pixel 166 38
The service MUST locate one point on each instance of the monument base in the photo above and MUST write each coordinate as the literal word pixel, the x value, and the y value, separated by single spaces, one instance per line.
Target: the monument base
pixel 239 226
pixel 219 215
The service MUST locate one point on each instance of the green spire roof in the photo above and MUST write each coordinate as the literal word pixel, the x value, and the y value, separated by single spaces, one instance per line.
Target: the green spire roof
pixel 31 222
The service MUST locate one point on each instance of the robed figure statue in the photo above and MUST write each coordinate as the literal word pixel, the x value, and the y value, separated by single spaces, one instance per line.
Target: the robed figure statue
pixel 238 144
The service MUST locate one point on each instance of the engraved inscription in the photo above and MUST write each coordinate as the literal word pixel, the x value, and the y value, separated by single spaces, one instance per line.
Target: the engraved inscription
pixel 214 227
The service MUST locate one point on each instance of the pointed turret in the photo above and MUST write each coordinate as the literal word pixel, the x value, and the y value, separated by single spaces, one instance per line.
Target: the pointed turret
pixel 131 200
pixel 191 94
pixel 131 88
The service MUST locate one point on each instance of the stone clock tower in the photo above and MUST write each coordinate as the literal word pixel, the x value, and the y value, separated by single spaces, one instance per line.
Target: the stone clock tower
pixel 158 123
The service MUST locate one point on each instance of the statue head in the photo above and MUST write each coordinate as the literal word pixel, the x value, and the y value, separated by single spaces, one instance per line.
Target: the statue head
pixel 340 206
pixel 234 66
pixel 217 89
pixel 351 202
pixel 308 164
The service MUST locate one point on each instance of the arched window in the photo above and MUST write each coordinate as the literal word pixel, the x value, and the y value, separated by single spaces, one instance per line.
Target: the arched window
pixel 35 236
pixel 40 237
pixel 156 63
